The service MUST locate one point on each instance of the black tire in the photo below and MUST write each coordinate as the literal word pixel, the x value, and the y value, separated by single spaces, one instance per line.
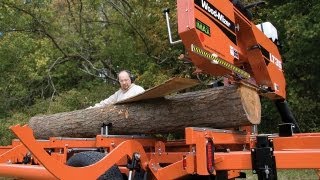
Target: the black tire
pixel 90 157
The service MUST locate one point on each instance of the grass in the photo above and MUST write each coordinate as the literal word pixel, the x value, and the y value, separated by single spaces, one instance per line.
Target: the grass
pixel 289 175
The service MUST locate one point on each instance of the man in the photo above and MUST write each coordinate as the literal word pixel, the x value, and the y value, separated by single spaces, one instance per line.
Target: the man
pixel 127 89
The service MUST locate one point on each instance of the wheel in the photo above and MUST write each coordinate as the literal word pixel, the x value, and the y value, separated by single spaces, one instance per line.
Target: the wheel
pixel 90 157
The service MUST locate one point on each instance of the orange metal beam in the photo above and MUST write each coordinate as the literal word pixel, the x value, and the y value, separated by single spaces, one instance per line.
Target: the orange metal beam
pixel 201 157
pixel 219 136
pixel 299 141
pixel 167 157
pixel 25 171
pixel 4 149
pixel 172 171
pixel 233 161
pixel 14 154
pixel 307 159
pixel 99 141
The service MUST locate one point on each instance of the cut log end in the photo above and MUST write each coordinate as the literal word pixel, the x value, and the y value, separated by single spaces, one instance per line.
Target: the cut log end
pixel 251 103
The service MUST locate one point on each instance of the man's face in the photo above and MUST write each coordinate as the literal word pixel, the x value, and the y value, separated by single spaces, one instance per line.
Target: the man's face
pixel 124 80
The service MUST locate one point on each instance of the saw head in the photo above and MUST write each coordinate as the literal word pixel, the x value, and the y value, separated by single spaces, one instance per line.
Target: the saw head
pixel 221 41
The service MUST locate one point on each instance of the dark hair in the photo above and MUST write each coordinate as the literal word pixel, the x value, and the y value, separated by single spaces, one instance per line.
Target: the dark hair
pixel 131 76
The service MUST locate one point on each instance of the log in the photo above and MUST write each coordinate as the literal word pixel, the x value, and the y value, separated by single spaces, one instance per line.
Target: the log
pixel 222 107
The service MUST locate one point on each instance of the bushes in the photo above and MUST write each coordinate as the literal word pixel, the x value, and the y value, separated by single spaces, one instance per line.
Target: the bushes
pixel 68 101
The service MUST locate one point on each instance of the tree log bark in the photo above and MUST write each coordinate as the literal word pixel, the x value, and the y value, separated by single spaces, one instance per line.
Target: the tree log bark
pixel 223 107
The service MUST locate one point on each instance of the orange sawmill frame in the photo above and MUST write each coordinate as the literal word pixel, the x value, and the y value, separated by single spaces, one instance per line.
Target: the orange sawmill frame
pixel 203 151
pixel 182 157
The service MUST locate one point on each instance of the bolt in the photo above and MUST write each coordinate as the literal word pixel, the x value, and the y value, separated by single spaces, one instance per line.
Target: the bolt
pixel 267 171
pixel 193 149
pixel 137 156
pixel 254 171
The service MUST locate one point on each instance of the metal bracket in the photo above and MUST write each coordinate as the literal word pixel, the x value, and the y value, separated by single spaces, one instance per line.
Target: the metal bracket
pixel 263 159
pixel 286 129
pixel 105 129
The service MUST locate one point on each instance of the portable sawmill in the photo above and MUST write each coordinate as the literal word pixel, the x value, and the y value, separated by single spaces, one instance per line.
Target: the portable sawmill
pixel 220 40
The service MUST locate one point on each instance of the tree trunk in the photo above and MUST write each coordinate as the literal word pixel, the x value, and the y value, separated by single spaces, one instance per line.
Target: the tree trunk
pixel 222 107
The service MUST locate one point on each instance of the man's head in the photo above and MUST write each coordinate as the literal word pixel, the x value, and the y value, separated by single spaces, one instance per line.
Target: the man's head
pixel 124 80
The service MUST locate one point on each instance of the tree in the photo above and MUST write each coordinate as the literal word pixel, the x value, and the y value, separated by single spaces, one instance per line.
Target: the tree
pixel 298 23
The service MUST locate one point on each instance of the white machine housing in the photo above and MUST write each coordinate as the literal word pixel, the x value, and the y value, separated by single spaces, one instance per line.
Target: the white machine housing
pixel 269 30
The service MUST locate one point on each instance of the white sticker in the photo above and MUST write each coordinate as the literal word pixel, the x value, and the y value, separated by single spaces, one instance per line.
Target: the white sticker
pixel 234 52
pixel 276 87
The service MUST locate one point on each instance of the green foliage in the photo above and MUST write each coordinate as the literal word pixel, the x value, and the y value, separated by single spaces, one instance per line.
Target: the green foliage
pixel 298 24
pixel 68 101
pixel 72 100
pixel 153 76
pixel 23 65
pixel 16 118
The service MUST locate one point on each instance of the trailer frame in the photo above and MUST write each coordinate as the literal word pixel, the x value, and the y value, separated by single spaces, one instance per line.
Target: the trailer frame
pixel 204 151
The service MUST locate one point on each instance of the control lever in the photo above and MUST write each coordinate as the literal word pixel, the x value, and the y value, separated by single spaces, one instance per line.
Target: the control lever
pixel 166 13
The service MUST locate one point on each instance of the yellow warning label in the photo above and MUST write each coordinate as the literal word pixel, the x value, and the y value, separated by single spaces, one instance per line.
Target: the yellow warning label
pixel 216 60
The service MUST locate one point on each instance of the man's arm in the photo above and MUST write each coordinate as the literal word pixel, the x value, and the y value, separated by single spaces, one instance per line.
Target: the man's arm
pixel 110 100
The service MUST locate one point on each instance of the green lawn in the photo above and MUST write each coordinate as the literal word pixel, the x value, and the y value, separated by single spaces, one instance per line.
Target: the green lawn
pixel 289 175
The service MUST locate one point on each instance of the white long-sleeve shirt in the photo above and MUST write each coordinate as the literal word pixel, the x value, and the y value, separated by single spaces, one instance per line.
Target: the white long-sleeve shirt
pixel 120 95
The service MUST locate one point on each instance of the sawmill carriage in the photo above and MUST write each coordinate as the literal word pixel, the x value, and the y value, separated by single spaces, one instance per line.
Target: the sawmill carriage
pixel 220 40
